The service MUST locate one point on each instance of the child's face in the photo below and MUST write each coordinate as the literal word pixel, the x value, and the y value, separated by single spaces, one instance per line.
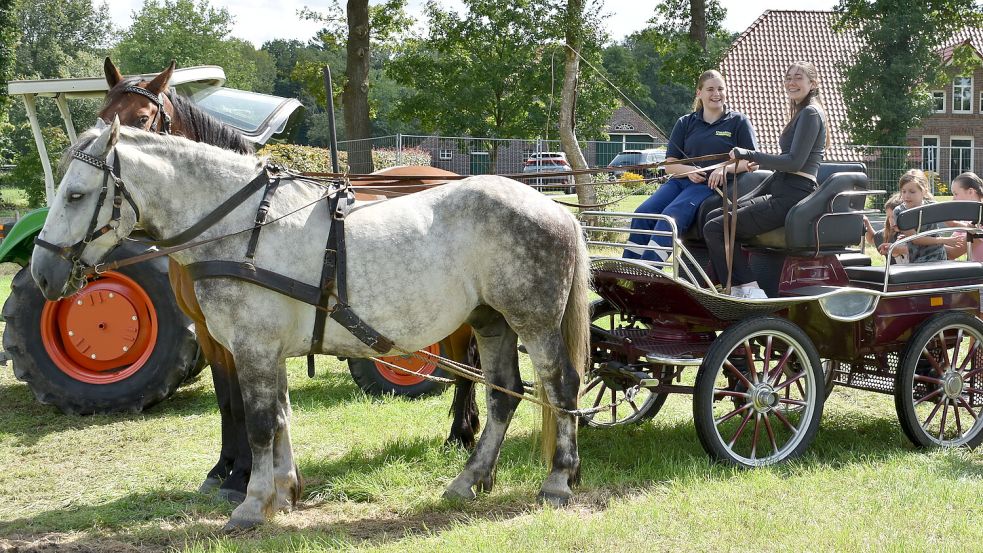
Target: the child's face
pixel 912 195
pixel 960 192
pixel 889 220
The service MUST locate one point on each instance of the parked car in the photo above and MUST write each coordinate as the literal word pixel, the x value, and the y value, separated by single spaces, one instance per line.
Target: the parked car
pixel 639 157
pixel 548 162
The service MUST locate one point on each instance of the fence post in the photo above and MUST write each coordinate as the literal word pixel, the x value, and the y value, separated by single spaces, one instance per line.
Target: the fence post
pixel 399 148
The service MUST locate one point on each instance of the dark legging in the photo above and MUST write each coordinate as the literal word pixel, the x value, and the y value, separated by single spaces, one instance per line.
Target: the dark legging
pixel 754 216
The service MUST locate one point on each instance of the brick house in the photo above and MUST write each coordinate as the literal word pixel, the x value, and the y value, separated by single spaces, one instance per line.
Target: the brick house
pixel 755 65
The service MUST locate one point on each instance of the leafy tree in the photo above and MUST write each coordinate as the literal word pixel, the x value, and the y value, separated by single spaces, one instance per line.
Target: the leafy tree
pixel 361 25
pixel 54 32
pixel 637 66
pixel 8 45
pixel 889 83
pixel 690 37
pixel 192 34
pixel 487 72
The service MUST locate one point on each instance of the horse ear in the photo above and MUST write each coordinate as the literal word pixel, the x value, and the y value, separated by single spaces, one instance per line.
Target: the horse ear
pixel 113 75
pixel 159 84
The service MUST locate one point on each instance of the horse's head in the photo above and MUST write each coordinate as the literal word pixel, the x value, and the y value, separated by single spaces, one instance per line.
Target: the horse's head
pixel 141 104
pixel 90 214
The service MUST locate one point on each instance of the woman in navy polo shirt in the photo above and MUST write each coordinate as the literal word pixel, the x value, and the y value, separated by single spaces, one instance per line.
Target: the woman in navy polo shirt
pixel 712 128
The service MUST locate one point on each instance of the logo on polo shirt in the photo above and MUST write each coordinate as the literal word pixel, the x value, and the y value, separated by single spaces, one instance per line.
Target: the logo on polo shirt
pixel 722 133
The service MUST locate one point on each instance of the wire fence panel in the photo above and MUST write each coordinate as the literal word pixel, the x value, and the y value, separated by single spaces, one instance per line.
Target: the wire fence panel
pixel 478 156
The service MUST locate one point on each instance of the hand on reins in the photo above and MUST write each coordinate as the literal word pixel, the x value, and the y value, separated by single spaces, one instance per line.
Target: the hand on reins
pixel 697 177
pixel 717 178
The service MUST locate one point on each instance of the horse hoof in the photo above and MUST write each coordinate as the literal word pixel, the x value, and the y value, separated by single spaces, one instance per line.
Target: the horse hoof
pixel 209 485
pixel 454 494
pixel 234 497
pixel 553 499
pixel 239 526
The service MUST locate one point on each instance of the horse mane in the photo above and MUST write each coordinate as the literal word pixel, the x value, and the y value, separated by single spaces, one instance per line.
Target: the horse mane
pixel 205 127
pixel 209 129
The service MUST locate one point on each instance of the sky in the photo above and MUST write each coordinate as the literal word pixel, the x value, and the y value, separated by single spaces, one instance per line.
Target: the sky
pixel 261 20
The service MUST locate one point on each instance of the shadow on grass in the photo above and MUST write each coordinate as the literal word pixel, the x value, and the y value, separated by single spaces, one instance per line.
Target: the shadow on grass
pixel 616 462
pixel 29 421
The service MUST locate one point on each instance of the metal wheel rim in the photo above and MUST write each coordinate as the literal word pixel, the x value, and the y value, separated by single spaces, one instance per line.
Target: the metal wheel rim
pixel 595 393
pixel 765 428
pixel 935 406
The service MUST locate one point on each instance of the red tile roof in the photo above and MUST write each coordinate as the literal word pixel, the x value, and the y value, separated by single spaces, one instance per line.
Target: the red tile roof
pixel 755 66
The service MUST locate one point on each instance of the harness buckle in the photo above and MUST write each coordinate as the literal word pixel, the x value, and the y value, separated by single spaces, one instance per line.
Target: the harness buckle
pixel 99 268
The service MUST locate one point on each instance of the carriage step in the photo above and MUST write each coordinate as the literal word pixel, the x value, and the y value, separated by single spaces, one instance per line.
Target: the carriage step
pixel 678 361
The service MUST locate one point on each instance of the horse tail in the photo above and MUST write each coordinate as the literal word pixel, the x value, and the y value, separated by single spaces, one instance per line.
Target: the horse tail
pixel 575 328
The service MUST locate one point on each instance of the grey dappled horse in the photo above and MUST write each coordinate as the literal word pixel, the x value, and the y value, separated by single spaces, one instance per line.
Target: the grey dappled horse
pixel 487 251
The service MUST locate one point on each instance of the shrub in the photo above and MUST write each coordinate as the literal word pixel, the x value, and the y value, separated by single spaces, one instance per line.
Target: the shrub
pixel 28 173
pixel 318 160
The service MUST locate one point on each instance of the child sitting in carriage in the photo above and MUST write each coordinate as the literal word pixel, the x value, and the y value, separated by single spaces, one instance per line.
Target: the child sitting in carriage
pixel 914 192
pixel 966 187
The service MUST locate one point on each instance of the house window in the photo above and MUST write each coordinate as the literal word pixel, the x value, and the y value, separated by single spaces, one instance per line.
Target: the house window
pixel 446 155
pixel 962 95
pixel 981 102
pixel 930 153
pixel 961 155
pixel 938 96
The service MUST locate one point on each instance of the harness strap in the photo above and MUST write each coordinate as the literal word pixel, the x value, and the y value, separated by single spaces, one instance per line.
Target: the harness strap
pixel 261 277
pixel 216 215
pixel 328 265
pixel 261 213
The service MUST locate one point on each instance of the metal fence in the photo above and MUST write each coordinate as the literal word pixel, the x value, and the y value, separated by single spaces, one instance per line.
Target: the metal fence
pixel 474 156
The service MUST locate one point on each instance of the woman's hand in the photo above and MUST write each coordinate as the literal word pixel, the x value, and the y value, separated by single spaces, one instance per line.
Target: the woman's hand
pixel 697 177
pixel 717 178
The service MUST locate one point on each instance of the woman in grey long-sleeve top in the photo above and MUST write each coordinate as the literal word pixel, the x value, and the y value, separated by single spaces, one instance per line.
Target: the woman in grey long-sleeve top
pixel 803 143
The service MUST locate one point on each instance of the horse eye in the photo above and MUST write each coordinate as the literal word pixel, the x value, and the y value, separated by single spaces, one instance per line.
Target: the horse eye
pixel 74 197
pixel 143 120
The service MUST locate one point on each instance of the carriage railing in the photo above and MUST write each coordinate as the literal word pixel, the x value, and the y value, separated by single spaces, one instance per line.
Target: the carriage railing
pixel 850 212
pixel 680 260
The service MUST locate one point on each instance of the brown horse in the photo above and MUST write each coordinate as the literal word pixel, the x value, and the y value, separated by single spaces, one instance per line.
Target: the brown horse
pixel 149 105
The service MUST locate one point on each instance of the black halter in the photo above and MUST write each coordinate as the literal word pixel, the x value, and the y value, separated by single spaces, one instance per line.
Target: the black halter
pixel 165 119
pixel 73 253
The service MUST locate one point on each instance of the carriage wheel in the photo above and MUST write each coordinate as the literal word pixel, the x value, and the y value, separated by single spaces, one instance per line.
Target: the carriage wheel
pixel 379 379
pixel 938 390
pixel 606 387
pixel 759 393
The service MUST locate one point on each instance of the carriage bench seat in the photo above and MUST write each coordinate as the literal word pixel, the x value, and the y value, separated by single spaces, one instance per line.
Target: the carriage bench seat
pixel 940 272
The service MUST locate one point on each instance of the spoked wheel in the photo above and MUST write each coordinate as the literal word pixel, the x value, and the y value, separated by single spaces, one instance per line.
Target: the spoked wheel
pixel 607 383
pixel 939 386
pixel 759 393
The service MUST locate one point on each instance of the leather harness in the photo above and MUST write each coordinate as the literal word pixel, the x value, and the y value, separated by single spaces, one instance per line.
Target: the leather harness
pixel 333 280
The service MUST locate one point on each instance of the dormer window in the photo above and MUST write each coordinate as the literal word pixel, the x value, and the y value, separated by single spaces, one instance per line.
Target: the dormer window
pixel 962 95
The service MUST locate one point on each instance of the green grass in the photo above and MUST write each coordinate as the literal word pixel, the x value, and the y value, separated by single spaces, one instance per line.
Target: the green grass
pixel 15 197
pixel 375 470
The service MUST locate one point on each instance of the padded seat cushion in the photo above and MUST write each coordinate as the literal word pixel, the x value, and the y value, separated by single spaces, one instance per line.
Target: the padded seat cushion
pixel 919 273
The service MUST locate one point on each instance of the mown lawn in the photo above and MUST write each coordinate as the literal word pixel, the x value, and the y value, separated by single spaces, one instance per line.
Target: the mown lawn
pixel 375 470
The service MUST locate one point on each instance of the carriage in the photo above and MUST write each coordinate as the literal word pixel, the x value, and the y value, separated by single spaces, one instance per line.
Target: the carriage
pixel 759 371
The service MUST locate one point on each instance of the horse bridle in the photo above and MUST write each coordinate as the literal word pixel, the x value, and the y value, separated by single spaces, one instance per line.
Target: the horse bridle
pixel 161 115
pixel 73 253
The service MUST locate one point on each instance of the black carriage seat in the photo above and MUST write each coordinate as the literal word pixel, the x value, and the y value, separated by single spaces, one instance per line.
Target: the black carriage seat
pixel 940 272
pixel 799 234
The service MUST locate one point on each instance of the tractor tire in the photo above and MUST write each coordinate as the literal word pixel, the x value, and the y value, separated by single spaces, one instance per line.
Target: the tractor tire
pixel 377 379
pixel 121 344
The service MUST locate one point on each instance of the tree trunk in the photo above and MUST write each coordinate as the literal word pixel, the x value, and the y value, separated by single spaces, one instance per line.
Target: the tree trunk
pixel 355 97
pixel 568 102
pixel 698 23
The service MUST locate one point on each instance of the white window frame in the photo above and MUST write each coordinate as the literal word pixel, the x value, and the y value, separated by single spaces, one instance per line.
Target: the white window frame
pixel 942 92
pixel 937 148
pixel 445 154
pixel 970 110
pixel 971 148
pixel 981 102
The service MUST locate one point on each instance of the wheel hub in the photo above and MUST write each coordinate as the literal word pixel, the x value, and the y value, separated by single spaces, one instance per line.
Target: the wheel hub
pixel 763 398
pixel 952 384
